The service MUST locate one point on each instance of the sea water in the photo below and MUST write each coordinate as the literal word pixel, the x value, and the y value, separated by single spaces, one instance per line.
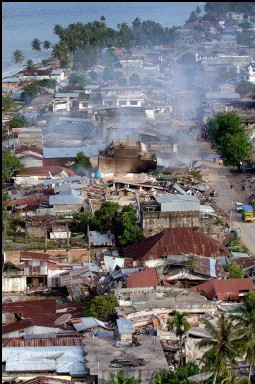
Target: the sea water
pixel 24 21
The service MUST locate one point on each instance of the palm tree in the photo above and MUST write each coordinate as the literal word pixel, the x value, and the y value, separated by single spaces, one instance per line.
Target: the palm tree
pixel 244 318
pixel 161 377
pixel 120 379
pixel 36 45
pixel 223 346
pixel 30 65
pixel 180 324
pixel 18 56
pixel 46 44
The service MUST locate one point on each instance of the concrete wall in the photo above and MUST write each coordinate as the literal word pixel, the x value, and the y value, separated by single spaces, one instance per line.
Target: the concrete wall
pixel 13 281
pixel 155 222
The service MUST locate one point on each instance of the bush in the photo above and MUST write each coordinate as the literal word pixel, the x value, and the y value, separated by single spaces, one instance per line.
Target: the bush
pixel 102 307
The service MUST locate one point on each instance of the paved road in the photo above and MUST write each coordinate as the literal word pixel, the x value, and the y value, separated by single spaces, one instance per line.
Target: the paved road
pixel 219 178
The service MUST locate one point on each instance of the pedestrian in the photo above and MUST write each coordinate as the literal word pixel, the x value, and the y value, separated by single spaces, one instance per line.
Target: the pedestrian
pixel 214 159
pixel 243 187
pixel 231 186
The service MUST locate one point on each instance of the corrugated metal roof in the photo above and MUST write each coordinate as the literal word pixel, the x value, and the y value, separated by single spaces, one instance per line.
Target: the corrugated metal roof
pixel 125 326
pixel 43 342
pixel 66 95
pixel 176 241
pixel 146 278
pixel 239 254
pixel 38 359
pixel 84 323
pixel 111 262
pixel 49 380
pixel 60 180
pixel 222 95
pixel 101 239
pixel 175 197
pixel 17 326
pixel 70 197
pixel 70 152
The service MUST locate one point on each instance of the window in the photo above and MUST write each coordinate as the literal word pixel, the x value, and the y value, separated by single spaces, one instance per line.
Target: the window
pixel 122 102
pixel 133 102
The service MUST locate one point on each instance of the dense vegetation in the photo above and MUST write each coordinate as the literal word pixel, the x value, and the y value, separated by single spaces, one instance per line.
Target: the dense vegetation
pixel 10 166
pixel 123 222
pixel 102 307
pixel 231 137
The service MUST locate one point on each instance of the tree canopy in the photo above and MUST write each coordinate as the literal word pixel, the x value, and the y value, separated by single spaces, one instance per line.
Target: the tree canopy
pixel 81 164
pixel 229 134
pixel 10 165
pixel 18 56
pixel 29 92
pixel 235 272
pixel 102 307
pixel 7 103
pixel 17 122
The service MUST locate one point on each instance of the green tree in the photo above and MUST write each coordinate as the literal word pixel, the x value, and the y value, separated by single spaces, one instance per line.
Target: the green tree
pixel 236 147
pixel 178 376
pixel 10 266
pixel 102 307
pixel 7 103
pixel 126 225
pixel 80 221
pixel 223 123
pixel 10 165
pixel 223 346
pixel 76 78
pixel 46 44
pixel 36 45
pixel 181 326
pixel 193 17
pixel 121 379
pixel 187 58
pixel 30 65
pixel 235 272
pixel 18 56
pixel 82 159
pixel 17 122
pixel 245 88
pixel 29 92
pixel 104 217
pixel 244 320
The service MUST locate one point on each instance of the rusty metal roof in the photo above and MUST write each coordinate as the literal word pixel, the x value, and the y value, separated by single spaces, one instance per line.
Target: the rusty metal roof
pixel 17 326
pixel 176 241
pixel 40 312
pixel 48 380
pixel 56 342
pixel 146 278
pixel 225 289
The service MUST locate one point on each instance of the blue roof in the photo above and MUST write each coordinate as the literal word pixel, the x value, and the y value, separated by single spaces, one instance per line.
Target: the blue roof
pixel 125 326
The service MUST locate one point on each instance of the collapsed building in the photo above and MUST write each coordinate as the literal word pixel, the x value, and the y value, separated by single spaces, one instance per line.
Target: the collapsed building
pixel 123 156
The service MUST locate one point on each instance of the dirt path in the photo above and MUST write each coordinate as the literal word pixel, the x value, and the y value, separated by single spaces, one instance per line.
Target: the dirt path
pixel 220 178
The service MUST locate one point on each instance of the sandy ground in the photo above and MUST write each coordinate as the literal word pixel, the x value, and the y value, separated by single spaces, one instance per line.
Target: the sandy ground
pixel 220 178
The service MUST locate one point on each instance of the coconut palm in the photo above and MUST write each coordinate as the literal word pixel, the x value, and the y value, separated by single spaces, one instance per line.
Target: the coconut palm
pixel 181 326
pixel 18 56
pixel 244 320
pixel 46 44
pixel 120 379
pixel 36 45
pixel 30 65
pixel 223 346
pixel 161 377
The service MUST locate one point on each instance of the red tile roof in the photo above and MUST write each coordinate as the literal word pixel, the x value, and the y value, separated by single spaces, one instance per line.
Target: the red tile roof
pixel 227 289
pixel 146 278
pixel 56 342
pixel 176 241
pixel 44 171
pixel 17 326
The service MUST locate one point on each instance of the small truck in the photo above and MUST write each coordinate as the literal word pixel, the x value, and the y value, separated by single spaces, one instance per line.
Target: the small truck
pixel 248 213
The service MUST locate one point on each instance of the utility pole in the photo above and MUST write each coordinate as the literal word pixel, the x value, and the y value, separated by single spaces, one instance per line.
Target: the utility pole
pixel 45 235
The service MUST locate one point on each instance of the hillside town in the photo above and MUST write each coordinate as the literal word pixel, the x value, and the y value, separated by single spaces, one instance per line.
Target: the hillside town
pixel 128 210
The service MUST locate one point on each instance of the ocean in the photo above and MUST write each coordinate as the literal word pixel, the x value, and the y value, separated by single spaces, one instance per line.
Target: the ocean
pixel 22 22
